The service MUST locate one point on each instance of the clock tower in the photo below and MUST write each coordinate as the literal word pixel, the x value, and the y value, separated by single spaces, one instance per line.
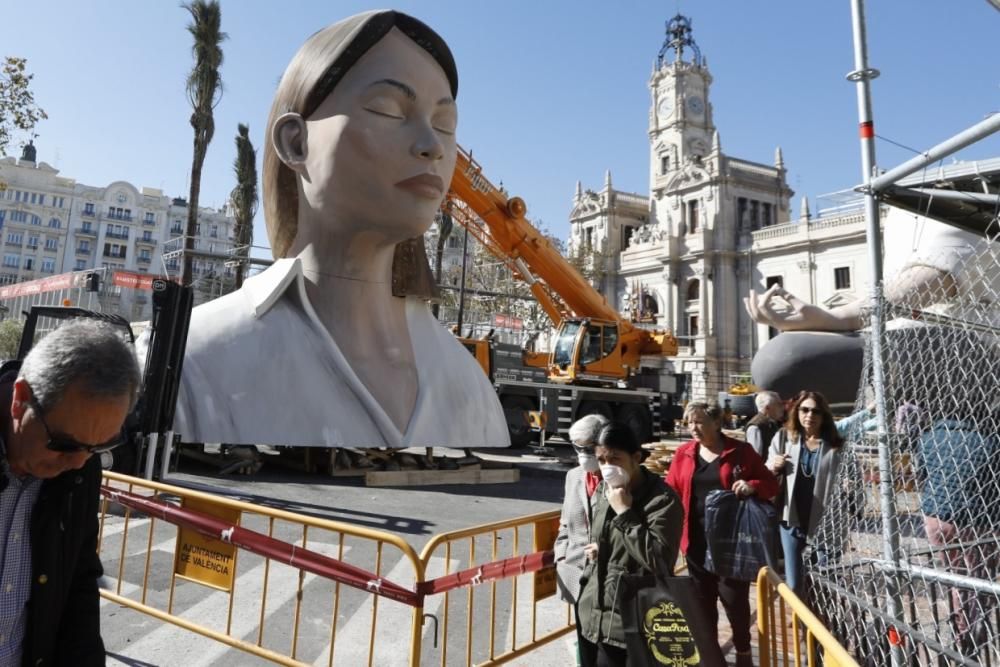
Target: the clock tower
pixel 680 121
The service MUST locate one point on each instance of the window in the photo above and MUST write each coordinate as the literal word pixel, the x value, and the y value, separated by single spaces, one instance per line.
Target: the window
pixel 34 198
pixel 215 231
pixel 29 263
pixel 742 222
pixel 627 232
pixel 48 265
pixel 610 339
pixel 664 164
pixel 87 227
pixel 144 255
pixel 150 218
pixel 842 278
pixel 15 238
pixel 147 235
pixel 588 239
pixel 692 215
pixel 55 223
pixel 12 261
pixel 766 218
pixel 51 244
pixel 591 351
pixel 754 214
pixel 692 325
pixel 694 291
pixel 33 241
pixel 80 265
pixel 41 200
pixel 176 228
pixel 88 209
pixel 115 250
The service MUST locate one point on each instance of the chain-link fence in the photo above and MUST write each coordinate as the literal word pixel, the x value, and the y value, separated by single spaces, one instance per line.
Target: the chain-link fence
pixel 904 567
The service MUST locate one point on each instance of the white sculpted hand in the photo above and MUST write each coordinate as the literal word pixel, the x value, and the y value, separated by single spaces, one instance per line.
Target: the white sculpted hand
pixel 779 308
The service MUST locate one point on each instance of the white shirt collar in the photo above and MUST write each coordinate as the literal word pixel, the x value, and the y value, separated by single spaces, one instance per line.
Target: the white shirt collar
pixel 265 288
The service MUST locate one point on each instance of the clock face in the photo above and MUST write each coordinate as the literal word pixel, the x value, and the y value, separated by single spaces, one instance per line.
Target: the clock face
pixel 665 106
pixel 696 105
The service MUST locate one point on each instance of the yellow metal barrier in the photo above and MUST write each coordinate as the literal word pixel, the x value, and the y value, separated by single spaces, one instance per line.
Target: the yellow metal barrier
pixel 157 568
pixel 782 618
pixel 511 609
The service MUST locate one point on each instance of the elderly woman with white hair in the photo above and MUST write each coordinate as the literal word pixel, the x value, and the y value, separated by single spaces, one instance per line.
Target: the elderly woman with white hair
pixel 767 421
pixel 574 524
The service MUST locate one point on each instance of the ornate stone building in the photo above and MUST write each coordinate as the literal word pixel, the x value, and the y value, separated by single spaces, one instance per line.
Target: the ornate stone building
pixel 680 257
pixel 51 224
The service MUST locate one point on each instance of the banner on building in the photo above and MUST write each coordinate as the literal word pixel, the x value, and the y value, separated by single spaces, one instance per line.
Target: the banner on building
pixel 508 322
pixel 135 280
pixel 51 284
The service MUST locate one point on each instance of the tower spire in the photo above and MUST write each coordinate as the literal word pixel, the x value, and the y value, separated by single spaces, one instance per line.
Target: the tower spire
pixel 779 159
pixel 607 179
pixel 679 38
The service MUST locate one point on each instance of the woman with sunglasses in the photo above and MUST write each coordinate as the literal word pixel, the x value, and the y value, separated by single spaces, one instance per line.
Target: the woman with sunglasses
pixel 805 457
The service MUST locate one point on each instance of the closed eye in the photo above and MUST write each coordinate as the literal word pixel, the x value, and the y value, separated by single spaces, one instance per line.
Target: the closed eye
pixel 382 113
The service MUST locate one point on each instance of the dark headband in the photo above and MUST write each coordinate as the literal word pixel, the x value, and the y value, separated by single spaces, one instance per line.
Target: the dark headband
pixel 374 29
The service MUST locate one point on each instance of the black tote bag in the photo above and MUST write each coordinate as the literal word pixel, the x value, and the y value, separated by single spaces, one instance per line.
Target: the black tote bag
pixel 665 623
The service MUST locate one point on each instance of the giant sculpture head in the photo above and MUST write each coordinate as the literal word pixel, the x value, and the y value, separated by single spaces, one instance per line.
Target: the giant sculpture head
pixel 362 136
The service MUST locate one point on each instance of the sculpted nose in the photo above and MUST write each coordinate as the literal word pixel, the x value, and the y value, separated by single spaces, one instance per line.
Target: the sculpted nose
pixel 428 145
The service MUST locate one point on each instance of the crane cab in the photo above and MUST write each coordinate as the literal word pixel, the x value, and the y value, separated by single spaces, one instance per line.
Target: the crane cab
pixel 587 351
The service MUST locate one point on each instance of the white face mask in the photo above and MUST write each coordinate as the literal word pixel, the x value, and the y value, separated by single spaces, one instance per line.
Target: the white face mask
pixel 588 462
pixel 615 476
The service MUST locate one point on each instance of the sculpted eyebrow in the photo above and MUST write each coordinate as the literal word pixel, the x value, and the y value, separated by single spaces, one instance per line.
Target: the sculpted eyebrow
pixel 409 92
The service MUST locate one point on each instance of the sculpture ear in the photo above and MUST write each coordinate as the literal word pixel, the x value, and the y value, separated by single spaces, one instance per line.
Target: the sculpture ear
pixel 289 138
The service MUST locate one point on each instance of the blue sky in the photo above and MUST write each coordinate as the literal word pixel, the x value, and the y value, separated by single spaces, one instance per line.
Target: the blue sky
pixel 550 92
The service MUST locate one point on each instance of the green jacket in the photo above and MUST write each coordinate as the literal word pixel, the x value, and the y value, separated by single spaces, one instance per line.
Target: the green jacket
pixel 629 543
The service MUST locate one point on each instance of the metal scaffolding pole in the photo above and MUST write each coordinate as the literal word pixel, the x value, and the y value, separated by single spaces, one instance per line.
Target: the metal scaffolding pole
pixel 862 76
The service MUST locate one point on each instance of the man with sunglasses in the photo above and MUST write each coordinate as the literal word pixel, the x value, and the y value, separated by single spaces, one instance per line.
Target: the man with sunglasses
pixel 66 403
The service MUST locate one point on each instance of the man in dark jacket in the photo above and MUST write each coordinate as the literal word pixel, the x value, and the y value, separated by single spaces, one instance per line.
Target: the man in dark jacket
pixel 67 402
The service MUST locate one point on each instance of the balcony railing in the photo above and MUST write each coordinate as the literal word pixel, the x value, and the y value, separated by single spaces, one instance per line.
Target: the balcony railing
pixel 144 260
pixel 82 251
pixel 89 231
pixel 115 216
pixel 114 255
pixel 147 241
pixel 148 221
pixel 89 212
pixel 116 235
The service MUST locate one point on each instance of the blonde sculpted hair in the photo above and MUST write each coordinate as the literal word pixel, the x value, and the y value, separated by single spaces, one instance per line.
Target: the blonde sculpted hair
pixel 310 77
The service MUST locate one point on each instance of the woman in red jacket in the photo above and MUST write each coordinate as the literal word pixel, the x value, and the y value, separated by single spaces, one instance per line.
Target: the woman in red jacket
pixel 710 462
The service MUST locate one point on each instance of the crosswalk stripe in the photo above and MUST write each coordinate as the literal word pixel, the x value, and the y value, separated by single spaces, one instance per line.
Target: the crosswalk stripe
pixel 392 638
pixel 194 650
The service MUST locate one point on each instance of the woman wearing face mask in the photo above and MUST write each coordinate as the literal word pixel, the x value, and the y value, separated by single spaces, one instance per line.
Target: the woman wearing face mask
pixel 636 529
pixel 710 462
pixel 578 500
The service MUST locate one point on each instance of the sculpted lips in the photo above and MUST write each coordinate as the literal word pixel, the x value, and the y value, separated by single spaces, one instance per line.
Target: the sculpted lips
pixel 424 185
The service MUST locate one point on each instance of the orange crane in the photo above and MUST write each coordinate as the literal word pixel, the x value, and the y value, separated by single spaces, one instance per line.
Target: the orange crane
pixel 595 344
pixel 594 364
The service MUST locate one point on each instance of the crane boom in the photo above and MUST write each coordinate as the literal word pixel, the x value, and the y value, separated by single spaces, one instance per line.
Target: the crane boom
pixel 595 342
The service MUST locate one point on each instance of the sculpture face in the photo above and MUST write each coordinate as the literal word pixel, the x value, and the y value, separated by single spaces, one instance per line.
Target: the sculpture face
pixel 380 150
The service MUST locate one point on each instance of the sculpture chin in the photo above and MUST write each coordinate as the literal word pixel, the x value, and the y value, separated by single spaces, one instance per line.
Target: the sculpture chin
pixel 828 362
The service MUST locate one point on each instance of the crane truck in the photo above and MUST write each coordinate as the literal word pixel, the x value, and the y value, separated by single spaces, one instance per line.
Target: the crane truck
pixel 595 365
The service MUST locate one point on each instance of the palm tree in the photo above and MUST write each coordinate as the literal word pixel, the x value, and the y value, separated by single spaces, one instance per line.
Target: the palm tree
pixel 204 89
pixel 244 198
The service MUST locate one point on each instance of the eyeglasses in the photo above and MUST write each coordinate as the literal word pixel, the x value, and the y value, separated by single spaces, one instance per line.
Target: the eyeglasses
pixel 67 445
pixel 806 410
